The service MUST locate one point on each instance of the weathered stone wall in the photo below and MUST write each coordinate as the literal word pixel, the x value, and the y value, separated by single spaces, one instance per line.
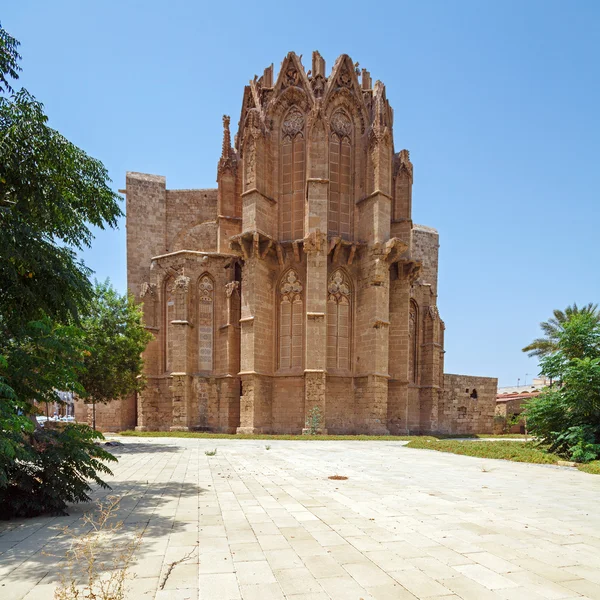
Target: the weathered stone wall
pixel 288 404
pixel 340 413
pixel 112 417
pixel 146 208
pixel 188 213
pixel 468 404
pixel 425 248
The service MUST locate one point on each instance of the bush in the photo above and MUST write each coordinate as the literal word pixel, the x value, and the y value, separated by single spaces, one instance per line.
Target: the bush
pixel 313 420
pixel 57 468
pixel 566 417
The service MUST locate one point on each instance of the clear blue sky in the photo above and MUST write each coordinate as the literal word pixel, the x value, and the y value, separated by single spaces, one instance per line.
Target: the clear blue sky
pixel 498 103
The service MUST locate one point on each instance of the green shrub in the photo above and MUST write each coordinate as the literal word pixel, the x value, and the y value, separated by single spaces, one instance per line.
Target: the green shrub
pixel 566 417
pixel 59 465
pixel 313 421
pixel 579 443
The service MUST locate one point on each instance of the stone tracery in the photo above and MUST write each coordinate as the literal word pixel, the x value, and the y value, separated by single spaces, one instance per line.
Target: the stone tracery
pixel 205 323
pixel 293 149
pixel 340 175
pixel 291 316
pixel 339 316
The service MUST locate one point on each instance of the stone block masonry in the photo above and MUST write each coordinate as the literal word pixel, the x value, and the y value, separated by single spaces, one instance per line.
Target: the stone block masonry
pixel 300 282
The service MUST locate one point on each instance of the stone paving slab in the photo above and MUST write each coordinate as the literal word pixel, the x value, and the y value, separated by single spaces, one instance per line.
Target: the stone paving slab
pixel 257 524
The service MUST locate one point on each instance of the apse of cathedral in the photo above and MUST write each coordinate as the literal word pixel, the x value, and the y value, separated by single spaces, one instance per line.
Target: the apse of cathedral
pixel 300 286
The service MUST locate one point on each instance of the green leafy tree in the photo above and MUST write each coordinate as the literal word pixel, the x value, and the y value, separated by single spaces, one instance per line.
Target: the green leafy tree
pixel 567 416
pixel 51 195
pixel 115 336
pixel 9 60
pixel 554 326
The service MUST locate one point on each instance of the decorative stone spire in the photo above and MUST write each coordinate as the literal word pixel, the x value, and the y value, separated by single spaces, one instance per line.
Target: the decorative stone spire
pixel 226 137
pixel 405 164
pixel 227 160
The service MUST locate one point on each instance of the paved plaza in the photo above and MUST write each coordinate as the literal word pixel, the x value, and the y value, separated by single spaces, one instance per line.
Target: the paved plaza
pixel 254 523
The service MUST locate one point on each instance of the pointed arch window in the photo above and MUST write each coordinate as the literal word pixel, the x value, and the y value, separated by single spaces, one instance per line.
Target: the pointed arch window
pixel 291 315
pixel 340 176
pixel 339 316
pixel 293 159
pixel 169 314
pixel 205 323
pixel 413 341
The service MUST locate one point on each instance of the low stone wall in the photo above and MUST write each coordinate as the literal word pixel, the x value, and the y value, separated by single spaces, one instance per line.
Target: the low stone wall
pixel 468 404
pixel 115 416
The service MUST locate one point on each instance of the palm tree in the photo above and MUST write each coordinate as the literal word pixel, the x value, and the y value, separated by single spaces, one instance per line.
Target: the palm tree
pixel 554 326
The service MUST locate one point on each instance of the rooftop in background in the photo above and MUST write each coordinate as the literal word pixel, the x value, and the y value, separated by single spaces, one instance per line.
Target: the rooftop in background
pixel 536 385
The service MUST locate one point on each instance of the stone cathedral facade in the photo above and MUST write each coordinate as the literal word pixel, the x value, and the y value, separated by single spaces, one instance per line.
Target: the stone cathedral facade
pixel 300 282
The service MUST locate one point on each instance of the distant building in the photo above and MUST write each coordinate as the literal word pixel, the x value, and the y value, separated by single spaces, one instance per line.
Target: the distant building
pixel 510 403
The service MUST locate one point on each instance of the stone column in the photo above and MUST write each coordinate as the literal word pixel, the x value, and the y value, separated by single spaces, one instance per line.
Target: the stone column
pixel 256 324
pixel 399 350
pixel 431 386
pixel 315 248
pixel 372 376
pixel 315 361
pixel 229 392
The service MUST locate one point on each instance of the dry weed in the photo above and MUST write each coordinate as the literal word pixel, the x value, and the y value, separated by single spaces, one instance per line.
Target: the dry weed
pixel 98 560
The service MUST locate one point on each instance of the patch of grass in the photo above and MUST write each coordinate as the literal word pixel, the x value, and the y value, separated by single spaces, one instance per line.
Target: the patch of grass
pixel 264 436
pixel 267 447
pixel 210 452
pixel 591 467
pixel 506 450
pixel 514 436
pixel 246 436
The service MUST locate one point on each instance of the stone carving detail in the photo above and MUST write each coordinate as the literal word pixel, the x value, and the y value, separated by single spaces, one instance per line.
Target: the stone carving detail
pixel 291 287
pixel 293 124
pixel 205 288
pixel 231 287
pixel 338 286
pixel 318 85
pixel 340 124
pixel 345 78
pixel 227 160
pixel 148 289
pixel 181 283
pixel 312 242
pixel 291 77
pixel 405 162
pixel 250 163
pixel 205 323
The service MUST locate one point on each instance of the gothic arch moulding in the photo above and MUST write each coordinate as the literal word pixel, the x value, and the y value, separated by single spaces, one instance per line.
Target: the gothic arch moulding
pixel 293 179
pixel 206 322
pixel 339 321
pixel 341 175
pixel 168 315
pixel 291 321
